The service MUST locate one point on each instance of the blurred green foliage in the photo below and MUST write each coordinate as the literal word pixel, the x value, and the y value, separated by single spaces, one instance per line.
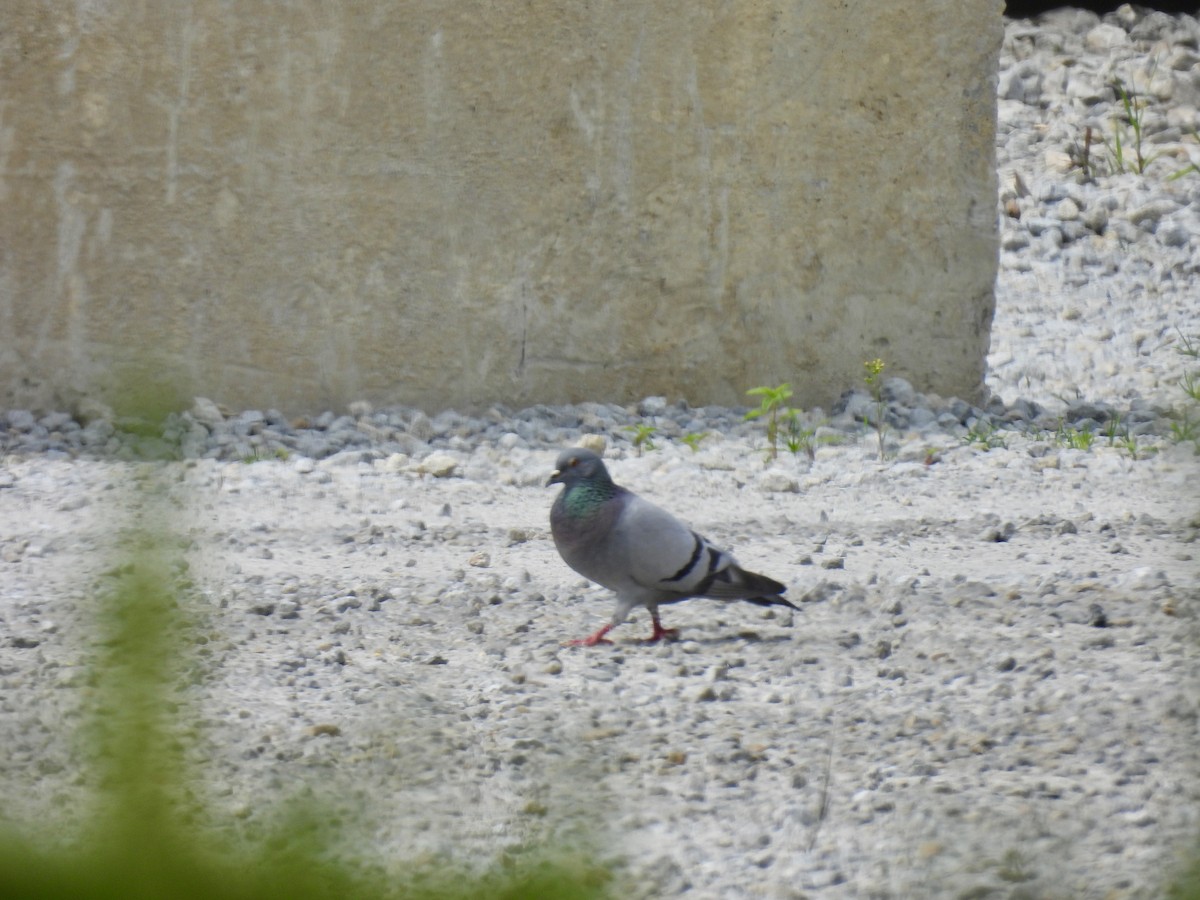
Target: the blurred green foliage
pixel 1187 885
pixel 142 839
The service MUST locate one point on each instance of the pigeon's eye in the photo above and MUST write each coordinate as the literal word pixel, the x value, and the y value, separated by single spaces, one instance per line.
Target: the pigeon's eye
pixel 573 461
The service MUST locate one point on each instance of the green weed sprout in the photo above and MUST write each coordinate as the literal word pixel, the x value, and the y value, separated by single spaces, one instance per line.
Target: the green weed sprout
pixel 643 436
pixel 783 422
pixel 1184 427
pixel 1014 867
pixel 141 839
pixel 985 436
pixel 1186 886
pixel 1073 438
pixel 1128 441
pixel 874 380
pixel 693 439
pixel 771 407
pixel 1134 110
pixel 1191 167
pixel 1190 382
pixel 1125 148
pixel 798 437
pixel 1119 435
pixel 1113 429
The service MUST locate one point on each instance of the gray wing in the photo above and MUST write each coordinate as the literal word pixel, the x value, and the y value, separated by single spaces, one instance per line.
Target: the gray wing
pixel 665 555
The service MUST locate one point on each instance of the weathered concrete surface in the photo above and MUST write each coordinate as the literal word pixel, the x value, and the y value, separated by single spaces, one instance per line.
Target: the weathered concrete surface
pixel 302 204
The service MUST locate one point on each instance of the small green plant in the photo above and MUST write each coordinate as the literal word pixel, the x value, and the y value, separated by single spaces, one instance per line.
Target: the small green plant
pixel 1189 347
pixel 145 838
pixel 1014 867
pixel 1129 443
pixel 799 437
pixel 771 407
pixel 259 453
pixel 1125 150
pixel 1190 382
pixel 1074 438
pixel 1081 439
pixel 986 436
pixel 693 439
pixel 1186 886
pixel 1113 429
pixel 1134 110
pixel 643 437
pixel 1191 168
pixel 1185 427
pixel 1119 435
pixel 874 380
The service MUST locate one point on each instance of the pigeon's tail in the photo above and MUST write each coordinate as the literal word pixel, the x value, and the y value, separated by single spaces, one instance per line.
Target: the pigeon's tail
pixel 767 590
pixel 735 583
pixel 759 584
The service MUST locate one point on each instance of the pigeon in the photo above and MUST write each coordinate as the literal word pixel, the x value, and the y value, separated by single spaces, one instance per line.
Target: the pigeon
pixel 639 551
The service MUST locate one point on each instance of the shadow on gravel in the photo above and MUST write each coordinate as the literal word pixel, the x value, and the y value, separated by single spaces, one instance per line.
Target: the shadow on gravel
pixel 144 837
pixel 742 637
pixel 731 640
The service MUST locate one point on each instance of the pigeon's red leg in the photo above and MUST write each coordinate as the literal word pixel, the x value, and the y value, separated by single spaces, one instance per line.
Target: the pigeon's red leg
pixel 659 632
pixel 597 638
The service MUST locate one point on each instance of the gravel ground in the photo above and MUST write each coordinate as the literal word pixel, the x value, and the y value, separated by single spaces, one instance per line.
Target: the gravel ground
pixel 991 687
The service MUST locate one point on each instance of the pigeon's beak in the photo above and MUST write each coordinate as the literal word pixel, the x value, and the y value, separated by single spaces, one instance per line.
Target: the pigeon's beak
pixel 555 478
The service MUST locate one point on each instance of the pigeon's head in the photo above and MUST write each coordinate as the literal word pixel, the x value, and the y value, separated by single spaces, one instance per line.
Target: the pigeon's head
pixel 577 465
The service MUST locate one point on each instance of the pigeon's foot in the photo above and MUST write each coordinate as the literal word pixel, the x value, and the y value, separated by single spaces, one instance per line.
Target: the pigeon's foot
pixel 592 640
pixel 660 633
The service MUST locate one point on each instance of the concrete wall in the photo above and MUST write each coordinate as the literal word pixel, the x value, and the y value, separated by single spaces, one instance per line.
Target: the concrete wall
pixel 304 203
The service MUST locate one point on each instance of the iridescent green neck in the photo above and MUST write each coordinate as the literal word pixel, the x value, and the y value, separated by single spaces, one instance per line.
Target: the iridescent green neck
pixel 583 498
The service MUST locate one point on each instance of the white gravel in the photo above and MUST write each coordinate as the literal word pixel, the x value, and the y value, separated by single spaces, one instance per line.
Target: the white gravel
pixel 995 661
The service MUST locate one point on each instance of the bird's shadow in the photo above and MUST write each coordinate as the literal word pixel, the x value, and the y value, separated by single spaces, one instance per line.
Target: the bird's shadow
pixel 708 641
